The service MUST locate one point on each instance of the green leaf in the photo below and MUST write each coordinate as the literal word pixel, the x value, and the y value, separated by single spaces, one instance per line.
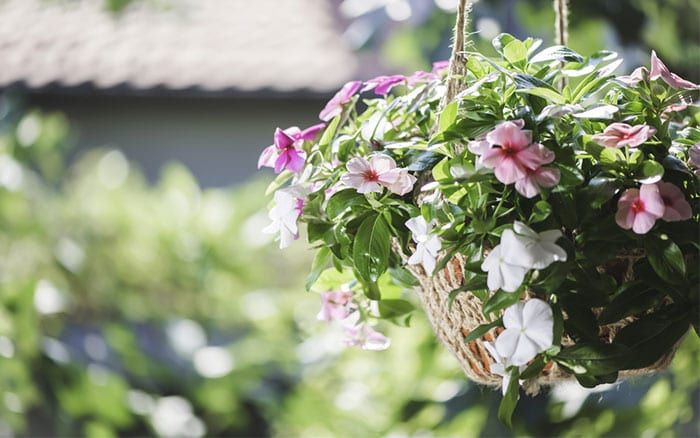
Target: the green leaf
pixel 370 251
pixel 332 279
pixel 329 132
pixel 477 282
pixel 650 172
pixel 666 258
pixel 318 265
pixel 611 156
pixel 557 53
pixel 509 400
pixel 653 335
pixel 501 41
pixel 592 358
pixel 448 116
pixel 394 308
pixel 500 300
pixel 481 330
pixel 515 52
pixel 545 93
pixel 525 82
pixel 534 369
pixel 632 298
pixel 540 211
pixel 342 201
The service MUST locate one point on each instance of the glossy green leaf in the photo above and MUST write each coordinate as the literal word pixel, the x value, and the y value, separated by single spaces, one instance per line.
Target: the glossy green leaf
pixel 370 251
pixel 509 400
pixel 557 53
pixel 319 263
pixel 481 330
pixel 342 201
pixel 666 258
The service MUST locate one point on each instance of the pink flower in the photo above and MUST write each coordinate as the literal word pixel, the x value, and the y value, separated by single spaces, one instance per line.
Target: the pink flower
pixel 637 76
pixel 335 305
pixel 639 209
pixel 359 333
pixel 335 105
pixel 404 183
pixel 512 153
pixel 659 69
pixel 383 84
pixel 420 76
pixel 536 180
pixel 380 170
pixel 285 152
pixel 677 208
pixel 440 66
pixel 617 135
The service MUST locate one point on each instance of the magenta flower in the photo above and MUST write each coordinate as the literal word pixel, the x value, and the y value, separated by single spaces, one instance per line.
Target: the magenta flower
pixel 617 135
pixel 335 105
pixel 639 209
pixel 677 208
pixel 383 84
pixel 512 153
pixel 286 152
pixel 659 69
pixel 335 305
pixel 536 180
pixel 380 170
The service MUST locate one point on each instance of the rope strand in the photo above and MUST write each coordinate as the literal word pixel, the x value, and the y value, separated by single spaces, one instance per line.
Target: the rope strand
pixel 561 16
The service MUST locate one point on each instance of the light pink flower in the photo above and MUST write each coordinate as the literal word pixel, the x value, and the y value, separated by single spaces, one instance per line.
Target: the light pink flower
pixel 512 153
pixel 677 208
pixel 286 152
pixel 380 170
pixel 639 209
pixel 404 182
pixel 535 180
pixel 335 105
pixel 383 84
pixel 335 305
pixel 659 69
pixel 637 76
pixel 419 77
pixel 359 333
pixel 617 135
pixel 440 66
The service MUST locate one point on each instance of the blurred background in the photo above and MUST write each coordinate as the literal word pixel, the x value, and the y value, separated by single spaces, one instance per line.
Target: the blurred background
pixel 136 289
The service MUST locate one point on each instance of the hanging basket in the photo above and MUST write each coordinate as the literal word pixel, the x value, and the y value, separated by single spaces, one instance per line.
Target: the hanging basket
pixel 454 319
pixel 547 209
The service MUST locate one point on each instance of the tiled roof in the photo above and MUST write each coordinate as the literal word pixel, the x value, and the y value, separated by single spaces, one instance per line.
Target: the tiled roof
pixel 209 45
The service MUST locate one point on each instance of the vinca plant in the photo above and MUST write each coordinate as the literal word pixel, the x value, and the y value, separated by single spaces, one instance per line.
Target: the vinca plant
pixel 570 193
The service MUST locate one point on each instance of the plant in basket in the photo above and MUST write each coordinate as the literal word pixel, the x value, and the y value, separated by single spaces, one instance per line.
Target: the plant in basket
pixel 546 209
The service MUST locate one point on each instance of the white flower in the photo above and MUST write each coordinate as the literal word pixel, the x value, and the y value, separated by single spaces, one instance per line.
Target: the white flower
pixel 284 217
pixel 501 366
pixel 502 275
pixel 427 244
pixel 524 247
pixel 529 331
